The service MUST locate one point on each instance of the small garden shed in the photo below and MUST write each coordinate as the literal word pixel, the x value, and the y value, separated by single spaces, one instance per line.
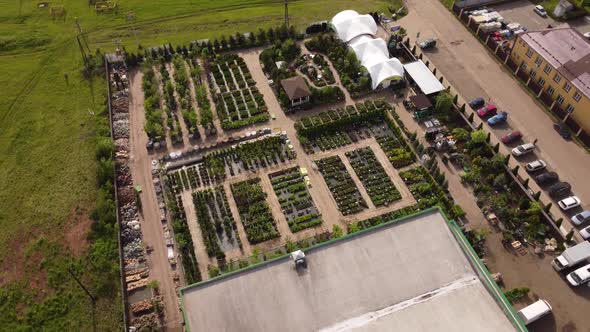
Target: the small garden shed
pixel 296 89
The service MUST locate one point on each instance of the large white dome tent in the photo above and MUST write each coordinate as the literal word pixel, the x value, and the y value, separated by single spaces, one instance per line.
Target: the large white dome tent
pixel 358 32
pixel 349 24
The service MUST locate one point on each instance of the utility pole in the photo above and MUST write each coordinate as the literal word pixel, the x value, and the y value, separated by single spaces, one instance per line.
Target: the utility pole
pixel 92 298
pixel 82 44
pixel 131 19
pixel 287 13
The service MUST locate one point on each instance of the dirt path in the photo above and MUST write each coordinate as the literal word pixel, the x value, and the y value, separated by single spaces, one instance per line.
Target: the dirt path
pixel 153 234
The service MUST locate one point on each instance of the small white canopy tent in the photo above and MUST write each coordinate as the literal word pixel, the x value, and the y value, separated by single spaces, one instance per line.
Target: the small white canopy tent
pixel 349 24
pixel 424 78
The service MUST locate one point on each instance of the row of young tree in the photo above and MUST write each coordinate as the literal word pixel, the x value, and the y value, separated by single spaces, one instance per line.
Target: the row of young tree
pixel 233 42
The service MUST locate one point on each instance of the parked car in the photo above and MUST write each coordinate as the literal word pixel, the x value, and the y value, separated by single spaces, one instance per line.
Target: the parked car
pixel 534 311
pixel 581 218
pixel 546 178
pixel 427 44
pixel 569 203
pixel 498 119
pixel 562 130
pixel 513 136
pixel 523 149
pixel 585 232
pixel 559 189
pixel 587 35
pixel 487 110
pixel 536 165
pixel 540 10
pixel 579 276
pixel 476 103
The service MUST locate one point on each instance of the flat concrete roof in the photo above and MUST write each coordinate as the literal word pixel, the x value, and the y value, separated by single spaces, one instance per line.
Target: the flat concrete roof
pixel 412 274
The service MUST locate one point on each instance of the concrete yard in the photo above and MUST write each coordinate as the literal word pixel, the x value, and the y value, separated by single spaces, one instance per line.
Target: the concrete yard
pixel 412 274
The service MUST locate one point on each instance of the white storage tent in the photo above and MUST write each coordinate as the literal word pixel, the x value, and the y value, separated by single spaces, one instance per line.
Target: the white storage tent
pixel 371 51
pixel 387 70
pixel 358 31
pixel 424 78
pixel 349 24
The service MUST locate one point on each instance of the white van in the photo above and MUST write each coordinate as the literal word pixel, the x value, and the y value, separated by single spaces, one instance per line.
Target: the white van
pixel 579 276
pixel 534 311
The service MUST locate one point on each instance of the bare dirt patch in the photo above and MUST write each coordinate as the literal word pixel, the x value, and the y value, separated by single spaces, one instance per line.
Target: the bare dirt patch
pixel 77 227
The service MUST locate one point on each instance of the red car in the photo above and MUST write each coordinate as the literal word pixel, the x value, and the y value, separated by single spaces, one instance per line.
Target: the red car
pixel 513 136
pixel 487 110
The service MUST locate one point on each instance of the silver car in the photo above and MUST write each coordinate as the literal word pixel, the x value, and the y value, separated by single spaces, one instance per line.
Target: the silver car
pixel 536 165
pixel 581 217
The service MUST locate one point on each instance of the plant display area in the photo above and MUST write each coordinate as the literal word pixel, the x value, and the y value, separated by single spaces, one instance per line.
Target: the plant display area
pixel 295 200
pixel 218 227
pixel 352 74
pixel 237 100
pixel 270 150
pixel 316 68
pixel 345 193
pixel 371 173
pixel 254 211
pixel 283 60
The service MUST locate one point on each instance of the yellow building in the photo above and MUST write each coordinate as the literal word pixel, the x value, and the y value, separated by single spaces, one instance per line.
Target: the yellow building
pixel 558 60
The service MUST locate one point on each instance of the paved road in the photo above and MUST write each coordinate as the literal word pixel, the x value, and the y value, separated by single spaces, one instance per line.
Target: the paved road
pixel 478 74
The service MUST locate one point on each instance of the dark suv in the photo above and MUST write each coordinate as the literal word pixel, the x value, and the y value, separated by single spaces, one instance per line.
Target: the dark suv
pixel 546 178
pixel 559 189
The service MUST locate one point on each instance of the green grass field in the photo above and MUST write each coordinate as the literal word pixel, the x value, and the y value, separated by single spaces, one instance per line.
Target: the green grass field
pixel 48 136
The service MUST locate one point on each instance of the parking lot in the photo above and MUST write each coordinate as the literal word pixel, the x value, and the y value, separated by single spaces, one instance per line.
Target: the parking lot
pixel 473 72
pixel 522 12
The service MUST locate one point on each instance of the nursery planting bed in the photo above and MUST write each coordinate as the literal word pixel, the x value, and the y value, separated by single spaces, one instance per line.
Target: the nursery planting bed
pixel 345 193
pixel 270 150
pixel 254 211
pixel 237 99
pixel 295 200
pixel 316 68
pixel 218 227
pixel 371 173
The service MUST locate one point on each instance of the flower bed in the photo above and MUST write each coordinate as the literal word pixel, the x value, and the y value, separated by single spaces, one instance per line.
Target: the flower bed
pixel 184 241
pixel 254 211
pixel 352 75
pixel 205 112
pixel 170 105
pixel 215 220
pixel 217 165
pixel 426 190
pixel 237 100
pixel 371 173
pixel 295 200
pixel 153 114
pixel 345 193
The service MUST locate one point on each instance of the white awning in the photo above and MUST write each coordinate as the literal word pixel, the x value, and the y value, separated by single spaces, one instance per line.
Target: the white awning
pixel 349 24
pixel 426 81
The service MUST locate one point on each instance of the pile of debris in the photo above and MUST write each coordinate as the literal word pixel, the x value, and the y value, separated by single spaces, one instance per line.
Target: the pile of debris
pixel 134 251
pixel 550 245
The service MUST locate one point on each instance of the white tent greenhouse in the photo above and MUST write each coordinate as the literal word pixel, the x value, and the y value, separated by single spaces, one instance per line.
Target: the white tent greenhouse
pixel 358 31
pixel 349 24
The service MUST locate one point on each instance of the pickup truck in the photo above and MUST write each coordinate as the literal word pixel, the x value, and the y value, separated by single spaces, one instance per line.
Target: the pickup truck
pixel 498 119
